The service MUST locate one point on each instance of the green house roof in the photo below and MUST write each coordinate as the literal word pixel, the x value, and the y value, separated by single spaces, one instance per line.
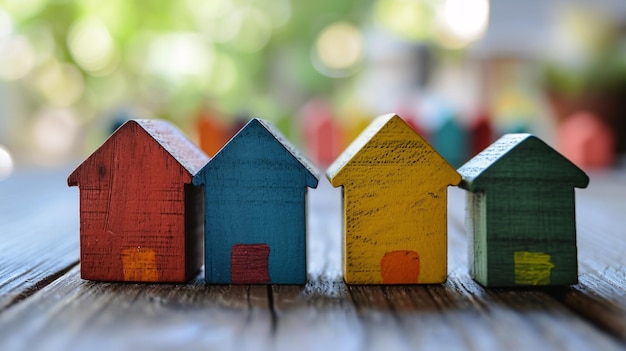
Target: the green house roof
pixel 520 158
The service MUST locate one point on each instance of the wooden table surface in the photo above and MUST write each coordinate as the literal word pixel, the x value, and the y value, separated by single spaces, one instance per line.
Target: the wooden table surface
pixel 44 305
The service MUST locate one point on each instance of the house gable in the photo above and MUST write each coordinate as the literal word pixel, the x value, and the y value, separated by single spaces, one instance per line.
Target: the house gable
pixel 517 159
pixel 185 152
pixel 262 147
pixel 162 133
pixel 390 145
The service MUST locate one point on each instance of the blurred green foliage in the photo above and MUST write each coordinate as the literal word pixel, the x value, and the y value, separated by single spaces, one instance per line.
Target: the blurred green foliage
pixel 244 71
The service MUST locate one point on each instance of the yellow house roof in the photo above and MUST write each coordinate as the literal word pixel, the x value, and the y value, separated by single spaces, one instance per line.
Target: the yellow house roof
pixel 390 147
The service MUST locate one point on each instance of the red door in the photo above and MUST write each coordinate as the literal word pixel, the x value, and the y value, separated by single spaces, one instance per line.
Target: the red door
pixel 249 264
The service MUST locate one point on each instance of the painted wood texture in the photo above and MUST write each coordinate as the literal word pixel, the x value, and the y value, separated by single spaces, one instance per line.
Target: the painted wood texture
pixel 395 195
pixel 255 193
pixel 249 264
pixel 140 219
pixel 521 216
pixel 56 310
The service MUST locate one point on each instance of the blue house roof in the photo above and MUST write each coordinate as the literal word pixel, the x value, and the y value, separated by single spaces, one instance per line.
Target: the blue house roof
pixel 254 148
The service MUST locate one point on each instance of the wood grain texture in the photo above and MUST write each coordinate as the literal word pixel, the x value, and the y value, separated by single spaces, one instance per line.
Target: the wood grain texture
pixel 38 232
pixel 255 193
pixel 458 315
pixel 521 205
pixel 66 313
pixel 71 314
pixel 135 195
pixel 249 264
pixel 395 196
pixel 600 295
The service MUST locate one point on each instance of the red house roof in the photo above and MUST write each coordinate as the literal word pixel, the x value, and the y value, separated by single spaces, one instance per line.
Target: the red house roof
pixel 170 138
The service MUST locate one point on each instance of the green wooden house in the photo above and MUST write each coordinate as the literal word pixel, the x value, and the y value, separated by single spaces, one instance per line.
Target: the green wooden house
pixel 521 214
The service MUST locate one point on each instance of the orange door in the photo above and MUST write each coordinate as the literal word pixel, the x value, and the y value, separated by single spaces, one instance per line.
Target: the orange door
pixel 139 265
pixel 400 267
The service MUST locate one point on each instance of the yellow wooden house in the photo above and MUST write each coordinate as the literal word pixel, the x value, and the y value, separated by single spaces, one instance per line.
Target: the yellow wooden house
pixel 395 206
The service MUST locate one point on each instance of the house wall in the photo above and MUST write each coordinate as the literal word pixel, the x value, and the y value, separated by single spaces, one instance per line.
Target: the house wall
pixel 194 228
pixel 258 211
pixel 409 217
pixel 476 224
pixel 535 219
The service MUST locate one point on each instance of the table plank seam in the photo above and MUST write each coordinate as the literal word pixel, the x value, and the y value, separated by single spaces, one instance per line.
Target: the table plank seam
pixel 579 304
pixel 39 285
pixel 272 309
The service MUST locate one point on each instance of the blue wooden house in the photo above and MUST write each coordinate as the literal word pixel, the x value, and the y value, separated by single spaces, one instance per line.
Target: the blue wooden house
pixel 255 209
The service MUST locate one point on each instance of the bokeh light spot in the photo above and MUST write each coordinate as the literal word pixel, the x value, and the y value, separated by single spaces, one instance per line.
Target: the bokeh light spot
pixel 61 84
pixel 339 48
pixel 179 55
pixel 6 163
pixel 223 75
pixel 41 39
pixel 219 21
pixel 17 57
pixel 279 12
pixel 462 22
pixel 22 9
pixel 6 25
pixel 255 31
pixel 54 132
pixel 91 44
pixel 410 19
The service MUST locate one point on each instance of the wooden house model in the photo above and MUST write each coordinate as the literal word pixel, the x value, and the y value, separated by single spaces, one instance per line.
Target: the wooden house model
pixel 451 140
pixel 321 132
pixel 140 217
pixel 395 206
pixel 521 213
pixel 587 140
pixel 255 200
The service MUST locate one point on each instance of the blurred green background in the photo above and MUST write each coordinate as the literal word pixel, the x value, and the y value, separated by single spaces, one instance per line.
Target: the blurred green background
pixel 70 71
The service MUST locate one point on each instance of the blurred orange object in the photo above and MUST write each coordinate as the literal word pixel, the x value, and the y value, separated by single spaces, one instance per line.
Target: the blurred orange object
pixel 585 139
pixel 212 131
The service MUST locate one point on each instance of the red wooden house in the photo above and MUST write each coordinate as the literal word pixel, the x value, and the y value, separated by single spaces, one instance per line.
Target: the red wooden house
pixel 140 217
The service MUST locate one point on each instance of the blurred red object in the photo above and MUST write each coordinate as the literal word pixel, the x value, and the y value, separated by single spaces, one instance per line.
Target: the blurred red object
pixel 322 134
pixel 481 132
pixel 586 140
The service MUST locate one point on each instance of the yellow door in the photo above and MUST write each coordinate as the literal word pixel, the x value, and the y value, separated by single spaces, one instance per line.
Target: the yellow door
pixel 532 268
